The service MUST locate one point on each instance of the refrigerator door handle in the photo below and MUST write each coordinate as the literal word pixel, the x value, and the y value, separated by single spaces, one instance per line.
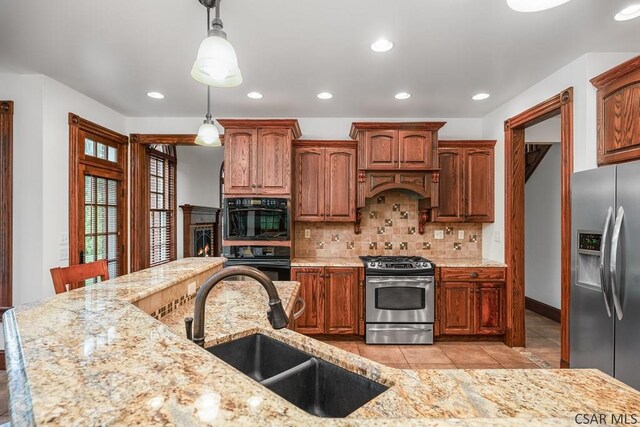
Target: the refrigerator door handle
pixel 613 268
pixel 603 274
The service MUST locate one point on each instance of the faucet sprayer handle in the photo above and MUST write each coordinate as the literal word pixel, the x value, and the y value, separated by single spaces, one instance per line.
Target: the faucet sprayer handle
pixel 277 316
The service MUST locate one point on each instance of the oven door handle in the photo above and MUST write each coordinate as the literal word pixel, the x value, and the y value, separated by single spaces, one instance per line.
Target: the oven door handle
pixel 405 329
pixel 416 279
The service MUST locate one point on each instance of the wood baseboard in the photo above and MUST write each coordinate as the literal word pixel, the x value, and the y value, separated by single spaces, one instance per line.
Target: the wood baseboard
pixel 542 309
pixel 3 364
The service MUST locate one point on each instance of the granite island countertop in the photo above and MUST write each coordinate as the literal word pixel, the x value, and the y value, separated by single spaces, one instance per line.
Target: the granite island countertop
pixel 357 262
pixel 90 357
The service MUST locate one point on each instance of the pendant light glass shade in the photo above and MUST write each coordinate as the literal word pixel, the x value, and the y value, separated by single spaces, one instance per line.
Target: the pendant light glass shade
pixel 208 135
pixel 217 63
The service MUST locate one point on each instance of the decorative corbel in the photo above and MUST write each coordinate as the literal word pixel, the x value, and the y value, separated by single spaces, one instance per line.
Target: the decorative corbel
pixel 356 226
pixel 423 218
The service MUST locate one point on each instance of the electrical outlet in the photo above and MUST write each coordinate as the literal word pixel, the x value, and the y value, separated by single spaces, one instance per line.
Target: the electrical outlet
pixel 64 253
pixel 438 234
pixel 191 288
pixel 461 234
pixel 307 233
pixel 497 236
pixel 64 239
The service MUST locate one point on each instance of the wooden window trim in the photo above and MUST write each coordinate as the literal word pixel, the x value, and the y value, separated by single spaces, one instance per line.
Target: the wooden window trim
pixel 140 258
pixel 78 128
pixel 6 205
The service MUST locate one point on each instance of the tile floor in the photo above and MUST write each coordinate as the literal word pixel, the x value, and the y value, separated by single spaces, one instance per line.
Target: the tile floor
pixel 542 351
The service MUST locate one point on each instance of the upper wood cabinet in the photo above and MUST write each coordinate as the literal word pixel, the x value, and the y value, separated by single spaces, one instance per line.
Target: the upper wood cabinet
pixel 618 104
pixel 466 182
pixel 397 146
pixel 257 156
pixel 325 181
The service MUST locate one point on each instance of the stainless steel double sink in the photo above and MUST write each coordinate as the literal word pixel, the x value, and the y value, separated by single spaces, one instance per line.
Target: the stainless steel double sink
pixel 312 384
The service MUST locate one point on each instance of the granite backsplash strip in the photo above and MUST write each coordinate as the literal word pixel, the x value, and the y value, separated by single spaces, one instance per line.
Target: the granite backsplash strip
pixel 389 227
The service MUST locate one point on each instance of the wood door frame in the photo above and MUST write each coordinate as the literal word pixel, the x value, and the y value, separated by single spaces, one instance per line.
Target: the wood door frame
pixel 77 126
pixel 6 206
pixel 514 128
pixel 139 166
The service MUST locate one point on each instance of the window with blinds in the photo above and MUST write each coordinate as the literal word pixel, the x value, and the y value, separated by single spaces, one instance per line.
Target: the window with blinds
pixel 101 222
pixel 162 204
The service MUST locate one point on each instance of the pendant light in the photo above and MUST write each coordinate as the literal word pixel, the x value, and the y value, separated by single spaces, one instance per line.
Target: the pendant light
pixel 217 63
pixel 208 134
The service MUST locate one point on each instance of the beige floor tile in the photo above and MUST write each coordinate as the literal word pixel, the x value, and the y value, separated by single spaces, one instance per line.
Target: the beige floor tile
pixel 546 331
pixel 468 354
pixel 424 354
pixel 350 346
pixel 541 344
pixel 471 365
pixel 506 356
pixel 382 353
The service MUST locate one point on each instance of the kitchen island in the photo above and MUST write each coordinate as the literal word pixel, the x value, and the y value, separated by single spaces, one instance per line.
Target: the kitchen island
pixel 116 353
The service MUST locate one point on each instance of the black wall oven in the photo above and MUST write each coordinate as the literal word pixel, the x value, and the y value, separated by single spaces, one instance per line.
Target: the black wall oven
pixel 251 219
pixel 274 261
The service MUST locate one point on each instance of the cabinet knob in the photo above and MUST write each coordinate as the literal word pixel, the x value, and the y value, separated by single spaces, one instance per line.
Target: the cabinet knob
pixel 253 186
pixel 259 185
pixel 474 275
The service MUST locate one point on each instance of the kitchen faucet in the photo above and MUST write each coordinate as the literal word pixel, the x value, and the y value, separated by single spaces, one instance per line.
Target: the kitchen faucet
pixel 276 315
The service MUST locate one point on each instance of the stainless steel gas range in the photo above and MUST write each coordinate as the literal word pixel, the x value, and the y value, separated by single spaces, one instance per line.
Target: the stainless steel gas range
pixel 400 294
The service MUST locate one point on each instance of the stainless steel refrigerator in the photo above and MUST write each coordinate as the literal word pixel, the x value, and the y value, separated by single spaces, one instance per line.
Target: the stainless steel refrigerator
pixel 605 273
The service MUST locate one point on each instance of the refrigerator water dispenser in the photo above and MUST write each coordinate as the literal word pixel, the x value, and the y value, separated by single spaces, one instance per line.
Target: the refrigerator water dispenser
pixel 588 259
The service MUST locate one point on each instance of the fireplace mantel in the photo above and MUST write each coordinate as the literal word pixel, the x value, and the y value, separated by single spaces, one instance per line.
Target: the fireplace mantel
pixel 200 216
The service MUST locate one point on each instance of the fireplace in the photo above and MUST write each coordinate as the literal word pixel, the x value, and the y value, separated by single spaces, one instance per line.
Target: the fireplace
pixel 203 239
pixel 201 231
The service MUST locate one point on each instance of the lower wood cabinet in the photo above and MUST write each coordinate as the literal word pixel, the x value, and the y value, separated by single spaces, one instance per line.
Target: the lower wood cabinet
pixel 332 299
pixel 471 307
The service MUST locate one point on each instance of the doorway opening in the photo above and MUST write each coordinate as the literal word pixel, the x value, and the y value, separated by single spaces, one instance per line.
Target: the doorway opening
pixel 515 174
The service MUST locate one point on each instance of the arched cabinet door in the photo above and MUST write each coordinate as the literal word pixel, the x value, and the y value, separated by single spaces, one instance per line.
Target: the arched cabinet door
pixel 415 150
pixel 451 193
pixel 478 185
pixel 274 161
pixel 381 149
pixel 240 161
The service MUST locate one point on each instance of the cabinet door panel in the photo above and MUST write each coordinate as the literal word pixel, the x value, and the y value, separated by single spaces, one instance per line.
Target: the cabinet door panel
pixel 310 184
pixel 274 164
pixel 490 309
pixel 341 300
pixel 478 185
pixel 312 291
pixel 451 186
pixel 415 150
pixel 381 149
pixel 457 308
pixel 340 184
pixel 239 161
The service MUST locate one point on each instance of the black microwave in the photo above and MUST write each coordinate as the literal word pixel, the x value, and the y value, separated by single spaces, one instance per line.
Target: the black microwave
pixel 252 218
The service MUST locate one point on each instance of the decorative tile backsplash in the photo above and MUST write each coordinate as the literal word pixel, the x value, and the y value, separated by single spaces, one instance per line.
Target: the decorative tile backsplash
pixel 389 227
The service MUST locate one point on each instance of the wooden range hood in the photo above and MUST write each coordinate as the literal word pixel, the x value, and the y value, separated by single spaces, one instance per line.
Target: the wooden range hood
pixel 398 156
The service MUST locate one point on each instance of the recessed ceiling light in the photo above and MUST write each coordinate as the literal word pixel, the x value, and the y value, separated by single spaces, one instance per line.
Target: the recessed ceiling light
pixel 381 45
pixel 534 5
pixel 324 95
pixel 629 12
pixel 480 96
pixel 403 95
pixel 155 95
pixel 255 95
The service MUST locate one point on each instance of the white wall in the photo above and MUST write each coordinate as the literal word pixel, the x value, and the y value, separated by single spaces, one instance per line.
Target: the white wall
pixel 26 92
pixel 542 230
pixel 575 74
pixel 197 181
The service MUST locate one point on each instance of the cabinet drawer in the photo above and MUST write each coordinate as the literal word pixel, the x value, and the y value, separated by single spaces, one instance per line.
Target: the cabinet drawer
pixel 472 274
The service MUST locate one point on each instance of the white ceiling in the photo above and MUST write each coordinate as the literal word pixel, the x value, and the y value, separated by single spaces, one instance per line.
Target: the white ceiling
pixel 446 50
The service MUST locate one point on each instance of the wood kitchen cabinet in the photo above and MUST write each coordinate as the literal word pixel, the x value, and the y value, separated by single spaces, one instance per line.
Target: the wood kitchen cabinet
pixel 325 181
pixel 466 182
pixel 618 109
pixel 469 304
pixel 257 156
pixel 332 299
